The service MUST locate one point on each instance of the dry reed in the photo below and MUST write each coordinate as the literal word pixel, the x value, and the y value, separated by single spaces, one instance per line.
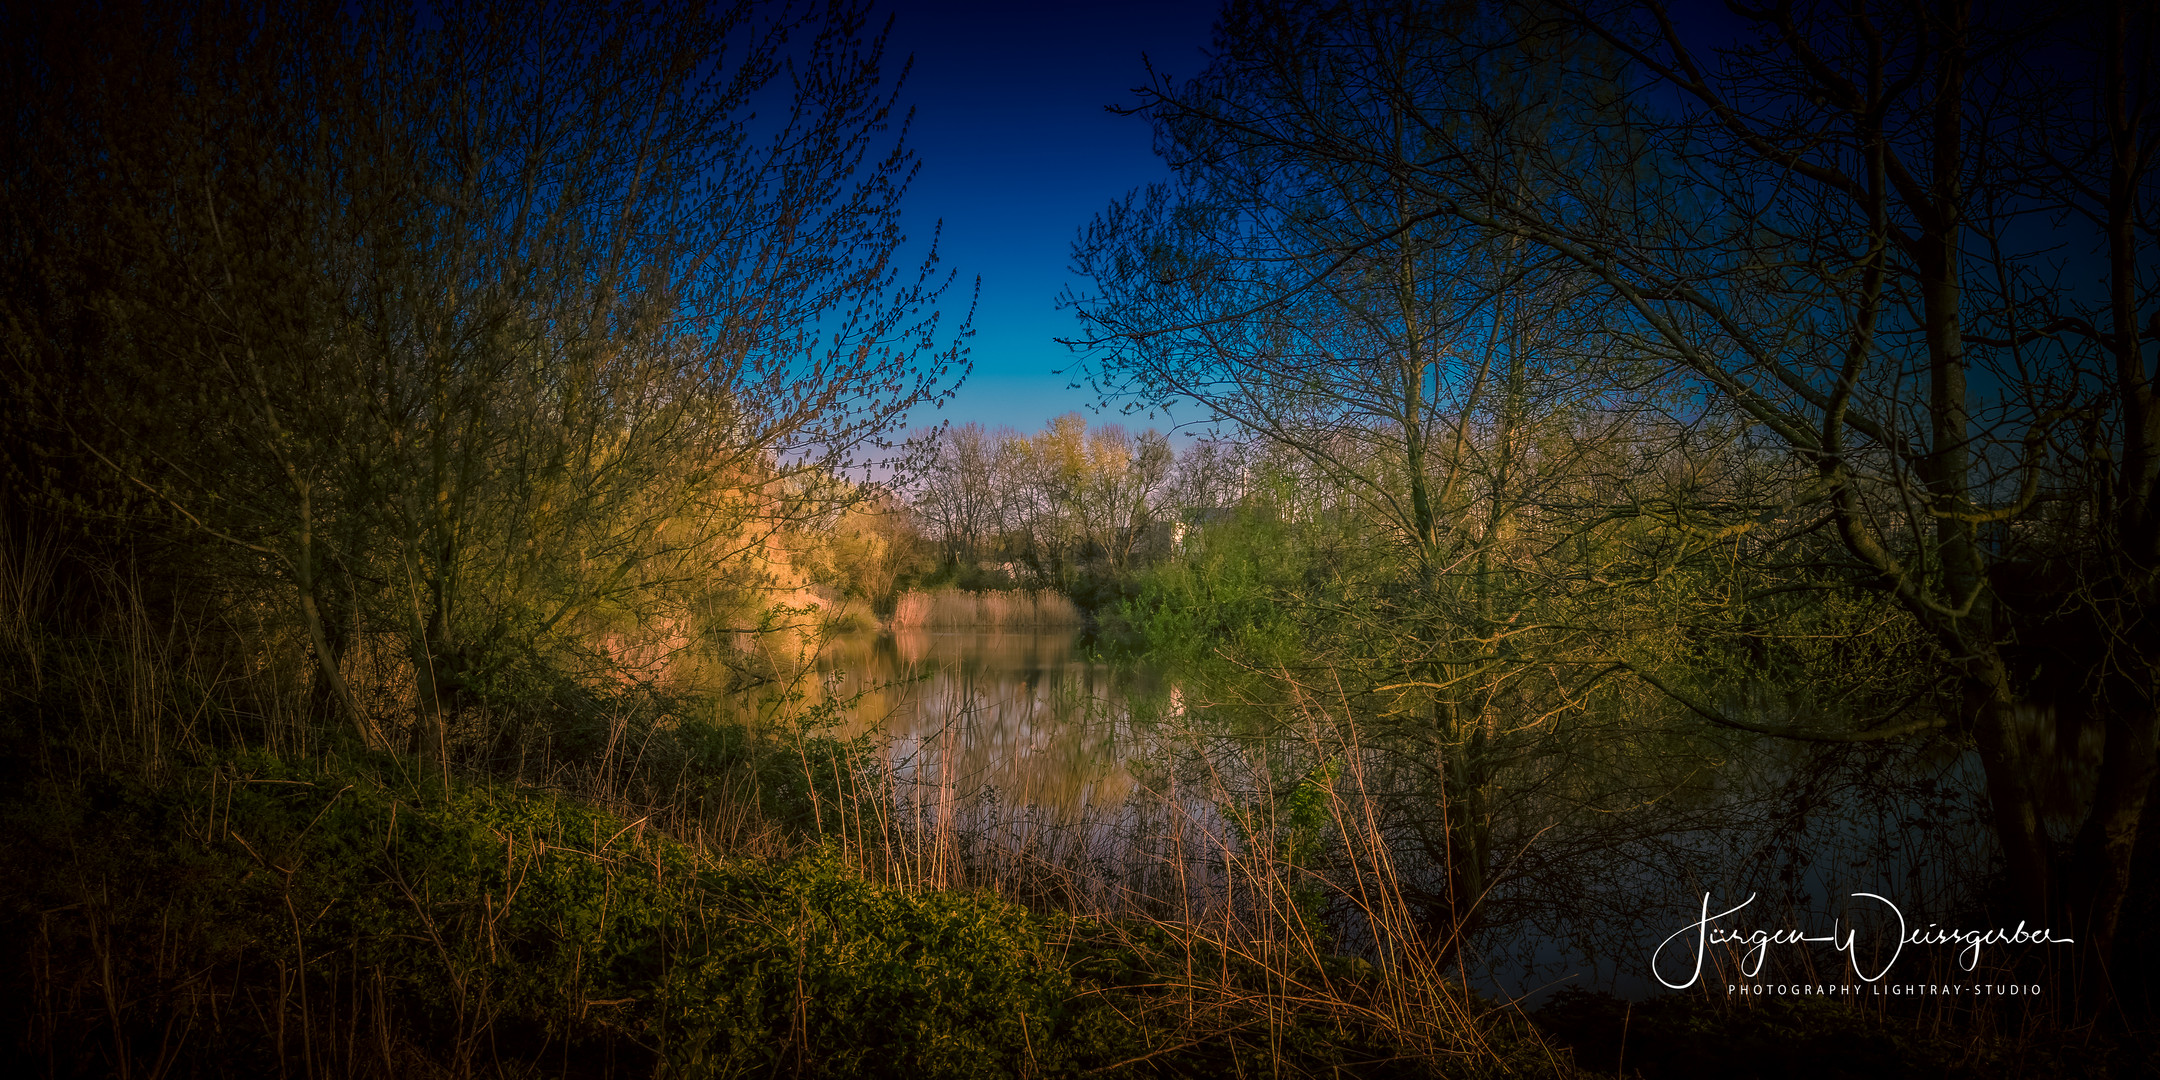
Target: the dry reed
pixel 1229 922
pixel 1179 871
pixel 999 610
pixel 1232 947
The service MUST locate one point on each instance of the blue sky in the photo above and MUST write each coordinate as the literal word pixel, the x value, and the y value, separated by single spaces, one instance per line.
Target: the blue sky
pixel 1017 154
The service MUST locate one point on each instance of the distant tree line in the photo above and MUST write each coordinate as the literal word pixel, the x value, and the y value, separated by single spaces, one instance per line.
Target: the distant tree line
pixel 1045 509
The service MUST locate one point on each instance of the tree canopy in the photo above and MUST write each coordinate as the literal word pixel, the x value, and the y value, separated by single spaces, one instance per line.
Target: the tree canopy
pixel 1887 268
pixel 492 329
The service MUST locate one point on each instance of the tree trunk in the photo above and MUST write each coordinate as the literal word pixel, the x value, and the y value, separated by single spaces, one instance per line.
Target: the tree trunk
pixel 2103 855
pixel 2012 801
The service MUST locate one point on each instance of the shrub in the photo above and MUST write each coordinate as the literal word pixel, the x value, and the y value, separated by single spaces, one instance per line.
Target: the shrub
pixel 262 913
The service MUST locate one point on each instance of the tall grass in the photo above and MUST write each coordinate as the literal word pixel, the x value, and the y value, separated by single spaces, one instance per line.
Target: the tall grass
pixel 1271 873
pixel 200 863
pixel 957 609
pixel 204 867
pixel 1255 896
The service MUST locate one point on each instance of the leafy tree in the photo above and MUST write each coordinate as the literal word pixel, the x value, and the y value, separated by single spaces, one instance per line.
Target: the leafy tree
pixel 1430 378
pixel 496 330
pixel 1854 237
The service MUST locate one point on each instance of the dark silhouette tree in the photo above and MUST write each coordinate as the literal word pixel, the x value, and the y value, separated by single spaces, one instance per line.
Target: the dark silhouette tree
pixel 1908 248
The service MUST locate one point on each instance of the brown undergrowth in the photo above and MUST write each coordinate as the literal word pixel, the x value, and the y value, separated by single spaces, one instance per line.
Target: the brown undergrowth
pixel 206 877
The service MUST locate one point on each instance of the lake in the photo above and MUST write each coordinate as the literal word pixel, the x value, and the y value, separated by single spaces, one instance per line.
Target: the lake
pixel 1027 719
pixel 1024 764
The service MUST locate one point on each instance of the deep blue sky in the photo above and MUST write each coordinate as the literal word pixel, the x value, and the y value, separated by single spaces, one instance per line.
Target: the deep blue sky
pixel 1017 154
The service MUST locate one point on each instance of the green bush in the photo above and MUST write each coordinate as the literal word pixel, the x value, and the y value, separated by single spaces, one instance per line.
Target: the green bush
pixel 873 979
pixel 1226 591
pixel 260 905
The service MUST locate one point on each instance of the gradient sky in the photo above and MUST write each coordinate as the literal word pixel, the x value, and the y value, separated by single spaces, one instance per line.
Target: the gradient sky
pixel 1017 154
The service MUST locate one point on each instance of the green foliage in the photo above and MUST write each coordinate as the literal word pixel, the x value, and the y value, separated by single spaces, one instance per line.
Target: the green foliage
pixel 875 980
pixel 1305 814
pixel 251 914
pixel 1291 833
pixel 808 774
pixel 496 912
pixel 1226 593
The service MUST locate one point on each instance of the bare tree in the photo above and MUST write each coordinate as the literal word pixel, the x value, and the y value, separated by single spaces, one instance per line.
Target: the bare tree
pixel 1065 501
pixel 1427 372
pixel 1870 289
pixel 956 491
pixel 513 323
pixel 1843 227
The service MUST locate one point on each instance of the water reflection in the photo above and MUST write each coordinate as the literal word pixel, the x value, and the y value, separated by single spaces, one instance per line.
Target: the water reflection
pixel 1025 718
pixel 1023 764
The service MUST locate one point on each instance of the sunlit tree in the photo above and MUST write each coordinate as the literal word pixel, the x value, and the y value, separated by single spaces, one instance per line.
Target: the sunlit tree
pixel 490 328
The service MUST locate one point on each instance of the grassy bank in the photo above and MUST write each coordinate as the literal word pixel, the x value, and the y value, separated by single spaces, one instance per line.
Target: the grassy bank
pixel 244 915
pixel 258 917
pixel 202 873
pixel 248 916
pixel 201 876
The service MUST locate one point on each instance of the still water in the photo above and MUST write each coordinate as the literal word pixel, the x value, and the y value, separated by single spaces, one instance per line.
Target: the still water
pixel 1027 719
pixel 1021 763
pixel 1019 753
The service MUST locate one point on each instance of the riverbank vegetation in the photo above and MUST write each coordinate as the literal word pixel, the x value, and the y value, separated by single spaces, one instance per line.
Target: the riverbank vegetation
pixel 1659 402
pixel 436 449
pixel 206 876
pixel 442 448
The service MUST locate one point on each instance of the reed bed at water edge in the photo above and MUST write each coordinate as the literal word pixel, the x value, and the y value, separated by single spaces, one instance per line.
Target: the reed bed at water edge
pixel 959 609
pixel 203 873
